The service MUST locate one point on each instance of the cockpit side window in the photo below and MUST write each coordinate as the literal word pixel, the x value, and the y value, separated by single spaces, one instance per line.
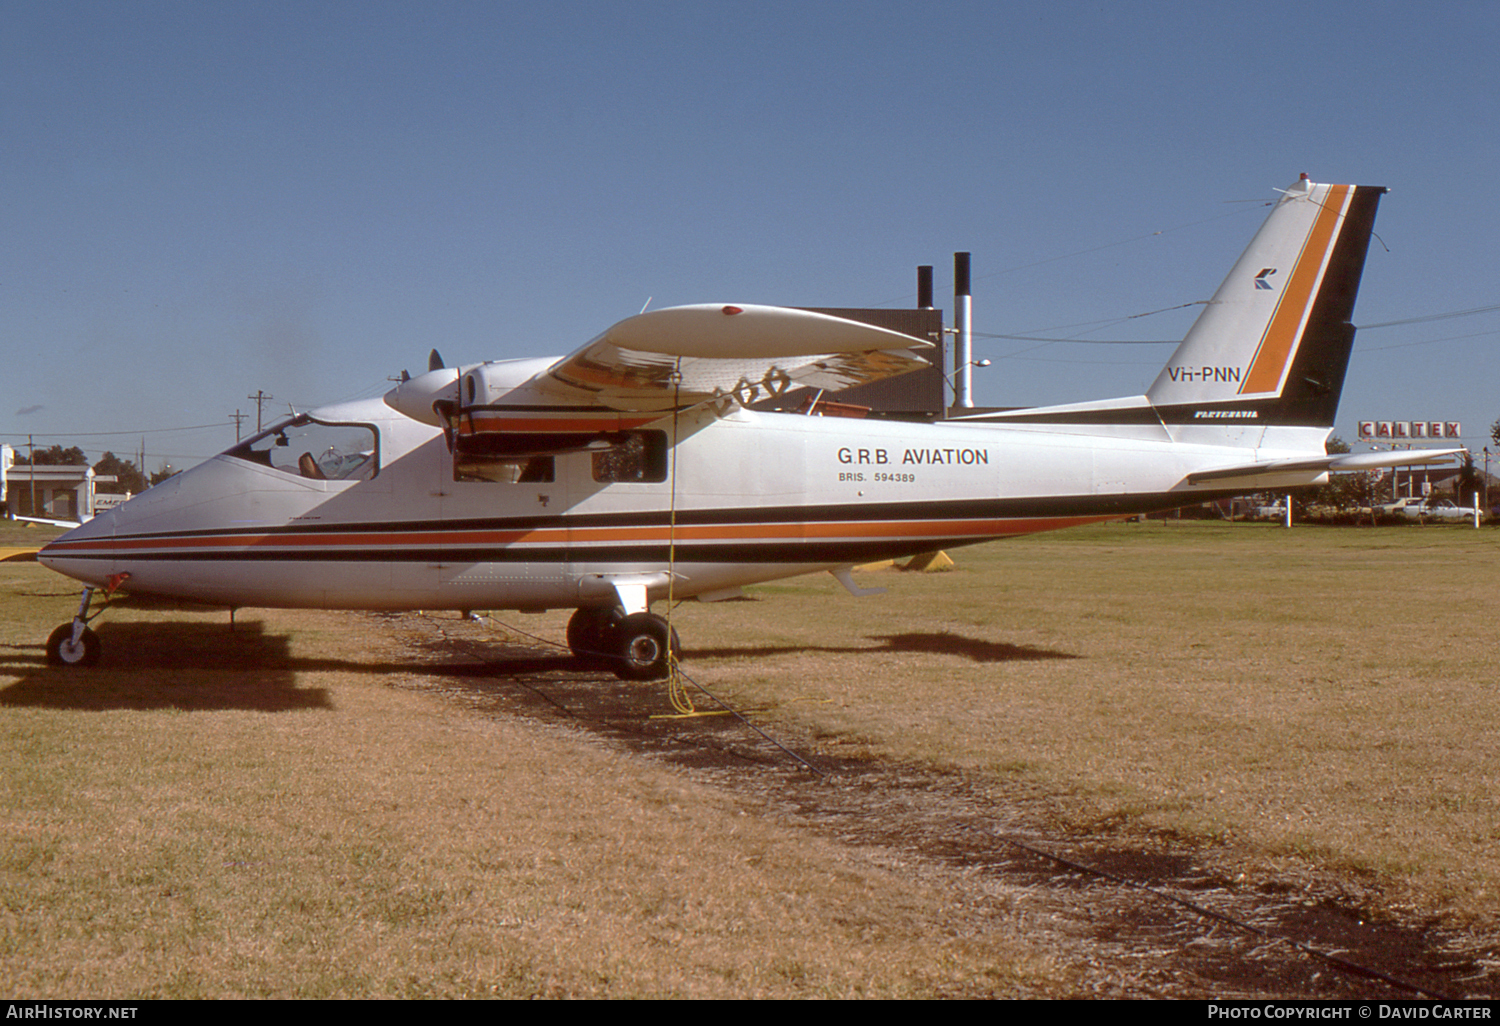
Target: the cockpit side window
pixel 313 450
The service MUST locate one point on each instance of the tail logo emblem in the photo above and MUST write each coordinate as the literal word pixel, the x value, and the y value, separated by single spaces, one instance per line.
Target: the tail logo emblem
pixel 1262 279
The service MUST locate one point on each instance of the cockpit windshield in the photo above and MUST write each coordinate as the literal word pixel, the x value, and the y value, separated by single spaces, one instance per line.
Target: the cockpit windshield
pixel 311 449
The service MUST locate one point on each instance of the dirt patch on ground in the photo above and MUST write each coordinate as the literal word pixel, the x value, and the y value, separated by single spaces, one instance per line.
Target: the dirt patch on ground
pixel 1144 918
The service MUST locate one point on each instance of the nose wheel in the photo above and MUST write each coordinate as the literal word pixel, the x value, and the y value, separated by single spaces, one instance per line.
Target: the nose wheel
pixel 64 649
pixel 75 643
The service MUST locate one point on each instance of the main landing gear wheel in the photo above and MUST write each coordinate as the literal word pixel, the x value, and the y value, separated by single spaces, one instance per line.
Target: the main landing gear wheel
pixel 62 650
pixel 641 647
pixel 590 632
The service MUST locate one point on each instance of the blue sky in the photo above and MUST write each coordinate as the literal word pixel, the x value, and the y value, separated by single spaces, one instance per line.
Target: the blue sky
pixel 203 199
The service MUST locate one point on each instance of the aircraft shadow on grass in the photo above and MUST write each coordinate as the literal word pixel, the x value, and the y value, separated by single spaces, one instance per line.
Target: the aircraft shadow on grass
pixel 167 665
pixel 208 666
pixel 941 643
pixel 501 660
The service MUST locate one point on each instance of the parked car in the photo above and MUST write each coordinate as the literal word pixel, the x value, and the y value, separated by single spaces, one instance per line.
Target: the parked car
pixel 1417 507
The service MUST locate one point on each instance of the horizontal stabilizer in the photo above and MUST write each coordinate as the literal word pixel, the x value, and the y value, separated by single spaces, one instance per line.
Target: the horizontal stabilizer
pixel 1337 463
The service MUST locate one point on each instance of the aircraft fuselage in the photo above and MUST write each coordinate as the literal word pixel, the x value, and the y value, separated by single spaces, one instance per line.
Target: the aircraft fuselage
pixel 740 498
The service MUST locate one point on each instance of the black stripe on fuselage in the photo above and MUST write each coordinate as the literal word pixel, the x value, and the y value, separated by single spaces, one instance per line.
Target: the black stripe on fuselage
pixel 1043 507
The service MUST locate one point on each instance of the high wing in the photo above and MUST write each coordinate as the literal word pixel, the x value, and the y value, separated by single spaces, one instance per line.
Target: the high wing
pixel 1338 463
pixel 663 360
pixel 745 352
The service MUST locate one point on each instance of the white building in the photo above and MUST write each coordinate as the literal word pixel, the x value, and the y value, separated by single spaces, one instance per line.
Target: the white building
pixel 63 492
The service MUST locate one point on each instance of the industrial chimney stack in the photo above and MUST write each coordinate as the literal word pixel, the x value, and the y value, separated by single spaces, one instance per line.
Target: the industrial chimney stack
pixel 963 355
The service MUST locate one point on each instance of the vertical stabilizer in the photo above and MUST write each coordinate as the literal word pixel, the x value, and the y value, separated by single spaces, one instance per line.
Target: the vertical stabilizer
pixel 1273 344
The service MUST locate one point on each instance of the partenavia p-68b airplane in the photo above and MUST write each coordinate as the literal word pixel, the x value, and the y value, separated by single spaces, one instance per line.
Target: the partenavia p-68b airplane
pixel 634 470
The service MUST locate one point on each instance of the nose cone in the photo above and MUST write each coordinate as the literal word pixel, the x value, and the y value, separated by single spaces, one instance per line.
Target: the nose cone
pixel 84 552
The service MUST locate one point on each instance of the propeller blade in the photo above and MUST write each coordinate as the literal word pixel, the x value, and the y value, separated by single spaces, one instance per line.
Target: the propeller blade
pixel 434 360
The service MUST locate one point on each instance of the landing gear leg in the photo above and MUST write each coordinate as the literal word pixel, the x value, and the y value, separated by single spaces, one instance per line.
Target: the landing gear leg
pixel 74 644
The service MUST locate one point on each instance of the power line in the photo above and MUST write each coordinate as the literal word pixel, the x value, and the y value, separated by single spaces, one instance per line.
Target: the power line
pixel 1084 341
pixel 1431 317
pixel 1163 342
pixel 1107 245
pixel 105 434
pixel 1430 341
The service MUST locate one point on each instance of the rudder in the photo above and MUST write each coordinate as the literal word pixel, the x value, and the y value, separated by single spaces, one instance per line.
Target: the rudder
pixel 1272 347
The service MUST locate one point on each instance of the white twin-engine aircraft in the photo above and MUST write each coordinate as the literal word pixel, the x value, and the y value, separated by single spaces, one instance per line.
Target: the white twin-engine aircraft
pixel 633 471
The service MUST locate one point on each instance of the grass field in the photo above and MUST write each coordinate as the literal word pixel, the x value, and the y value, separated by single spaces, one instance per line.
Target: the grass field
pixel 1320 692
pixel 265 813
pixel 18 536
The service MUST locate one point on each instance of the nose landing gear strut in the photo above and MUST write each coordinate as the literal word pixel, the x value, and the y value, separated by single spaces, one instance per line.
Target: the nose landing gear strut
pixel 75 643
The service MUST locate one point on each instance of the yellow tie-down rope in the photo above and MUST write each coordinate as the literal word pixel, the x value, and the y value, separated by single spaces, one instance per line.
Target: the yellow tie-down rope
pixel 677 692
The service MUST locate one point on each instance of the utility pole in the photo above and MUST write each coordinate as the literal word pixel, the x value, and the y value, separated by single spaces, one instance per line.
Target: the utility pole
pixel 260 397
pixel 237 416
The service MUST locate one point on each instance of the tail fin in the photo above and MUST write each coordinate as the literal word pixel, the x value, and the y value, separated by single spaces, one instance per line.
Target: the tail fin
pixel 1272 346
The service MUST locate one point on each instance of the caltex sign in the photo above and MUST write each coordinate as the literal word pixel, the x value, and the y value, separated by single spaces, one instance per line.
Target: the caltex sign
pixel 1404 430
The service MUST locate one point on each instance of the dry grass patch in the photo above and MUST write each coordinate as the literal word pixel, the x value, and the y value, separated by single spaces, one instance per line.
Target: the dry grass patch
pixel 22 533
pixel 260 814
pixel 1328 693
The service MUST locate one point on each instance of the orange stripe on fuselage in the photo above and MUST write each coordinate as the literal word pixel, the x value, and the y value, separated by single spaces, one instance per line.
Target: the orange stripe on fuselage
pixel 1280 340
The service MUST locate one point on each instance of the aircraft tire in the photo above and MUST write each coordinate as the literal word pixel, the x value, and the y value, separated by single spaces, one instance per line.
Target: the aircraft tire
pixel 640 644
pixel 590 632
pixel 61 651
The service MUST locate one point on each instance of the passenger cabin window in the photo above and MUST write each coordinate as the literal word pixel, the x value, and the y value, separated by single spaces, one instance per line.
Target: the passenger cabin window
pixel 501 469
pixel 497 457
pixel 640 456
pixel 311 449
